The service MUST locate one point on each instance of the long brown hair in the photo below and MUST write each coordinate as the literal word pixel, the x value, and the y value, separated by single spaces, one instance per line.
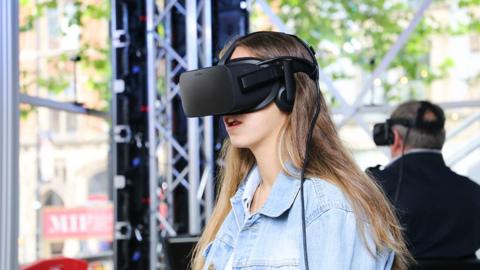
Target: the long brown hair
pixel 329 159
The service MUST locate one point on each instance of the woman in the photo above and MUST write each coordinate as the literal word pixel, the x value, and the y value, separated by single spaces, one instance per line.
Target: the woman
pixel 257 220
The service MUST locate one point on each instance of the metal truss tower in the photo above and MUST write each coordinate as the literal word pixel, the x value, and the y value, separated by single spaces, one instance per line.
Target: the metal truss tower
pixel 196 173
pixel 149 163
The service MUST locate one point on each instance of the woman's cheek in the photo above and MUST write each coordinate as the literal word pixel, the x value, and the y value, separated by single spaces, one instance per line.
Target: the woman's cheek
pixel 246 136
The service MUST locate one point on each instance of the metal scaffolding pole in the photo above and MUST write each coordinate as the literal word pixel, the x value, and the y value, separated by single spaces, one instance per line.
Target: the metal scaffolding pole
pixel 194 225
pixel 208 121
pixel 9 121
pixel 152 137
pixel 60 106
pixel 168 144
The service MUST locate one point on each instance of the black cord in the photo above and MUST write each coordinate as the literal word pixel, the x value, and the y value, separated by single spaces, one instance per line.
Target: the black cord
pixel 400 172
pixel 305 164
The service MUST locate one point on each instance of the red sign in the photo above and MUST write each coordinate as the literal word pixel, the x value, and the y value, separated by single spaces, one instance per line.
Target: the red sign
pixel 61 223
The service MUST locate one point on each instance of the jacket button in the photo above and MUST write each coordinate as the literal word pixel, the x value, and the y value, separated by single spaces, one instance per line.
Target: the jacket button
pixel 211 267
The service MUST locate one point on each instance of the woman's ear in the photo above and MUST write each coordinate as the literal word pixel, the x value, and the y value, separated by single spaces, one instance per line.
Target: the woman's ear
pixel 396 147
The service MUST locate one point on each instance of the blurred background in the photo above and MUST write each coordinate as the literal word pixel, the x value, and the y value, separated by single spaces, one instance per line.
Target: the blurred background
pixel 67 167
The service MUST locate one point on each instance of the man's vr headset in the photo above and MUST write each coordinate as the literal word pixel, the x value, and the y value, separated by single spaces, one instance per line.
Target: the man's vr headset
pixel 244 85
pixel 383 134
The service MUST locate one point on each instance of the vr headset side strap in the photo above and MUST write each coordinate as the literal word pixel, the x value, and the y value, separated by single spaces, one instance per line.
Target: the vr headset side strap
pixel 289 80
pixel 259 77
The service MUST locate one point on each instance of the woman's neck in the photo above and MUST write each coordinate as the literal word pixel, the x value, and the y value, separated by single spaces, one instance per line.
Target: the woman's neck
pixel 268 163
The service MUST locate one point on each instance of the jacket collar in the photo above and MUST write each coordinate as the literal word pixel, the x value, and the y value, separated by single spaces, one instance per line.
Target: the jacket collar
pixel 282 196
pixel 280 199
pixel 416 151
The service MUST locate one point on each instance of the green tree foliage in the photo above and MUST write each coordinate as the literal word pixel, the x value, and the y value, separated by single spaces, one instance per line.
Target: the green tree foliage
pixel 361 32
pixel 94 58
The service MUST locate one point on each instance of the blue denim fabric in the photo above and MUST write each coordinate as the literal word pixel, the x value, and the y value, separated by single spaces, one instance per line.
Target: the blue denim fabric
pixel 272 237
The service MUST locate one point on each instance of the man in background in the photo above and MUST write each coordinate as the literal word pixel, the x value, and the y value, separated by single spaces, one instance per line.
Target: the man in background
pixel 439 209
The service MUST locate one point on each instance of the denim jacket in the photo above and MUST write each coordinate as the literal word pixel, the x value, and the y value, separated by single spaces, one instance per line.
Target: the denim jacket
pixel 272 237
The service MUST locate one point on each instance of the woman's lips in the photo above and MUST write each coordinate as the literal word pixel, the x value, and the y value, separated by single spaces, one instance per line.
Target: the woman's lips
pixel 231 122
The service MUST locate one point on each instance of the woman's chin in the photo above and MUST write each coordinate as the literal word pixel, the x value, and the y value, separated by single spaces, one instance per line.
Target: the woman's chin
pixel 239 143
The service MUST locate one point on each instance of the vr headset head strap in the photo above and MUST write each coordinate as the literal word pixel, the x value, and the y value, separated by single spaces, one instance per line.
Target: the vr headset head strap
pixel 419 122
pixel 429 126
pixel 277 68
pixel 400 121
pixel 228 53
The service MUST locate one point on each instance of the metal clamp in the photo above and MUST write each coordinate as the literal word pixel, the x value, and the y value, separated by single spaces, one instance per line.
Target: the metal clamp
pixel 118 86
pixel 120 38
pixel 122 134
pixel 119 181
pixel 123 230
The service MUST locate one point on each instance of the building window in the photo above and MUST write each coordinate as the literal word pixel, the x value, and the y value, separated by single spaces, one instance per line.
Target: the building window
pixel 51 198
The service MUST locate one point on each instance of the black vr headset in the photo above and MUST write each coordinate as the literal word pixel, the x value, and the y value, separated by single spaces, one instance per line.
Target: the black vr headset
pixel 383 134
pixel 244 85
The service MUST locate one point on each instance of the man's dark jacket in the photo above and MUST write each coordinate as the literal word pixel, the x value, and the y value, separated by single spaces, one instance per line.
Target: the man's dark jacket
pixel 439 209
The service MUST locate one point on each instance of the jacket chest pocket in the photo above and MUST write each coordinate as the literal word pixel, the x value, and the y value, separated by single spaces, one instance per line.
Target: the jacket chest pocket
pixel 284 264
pixel 270 252
pixel 265 255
